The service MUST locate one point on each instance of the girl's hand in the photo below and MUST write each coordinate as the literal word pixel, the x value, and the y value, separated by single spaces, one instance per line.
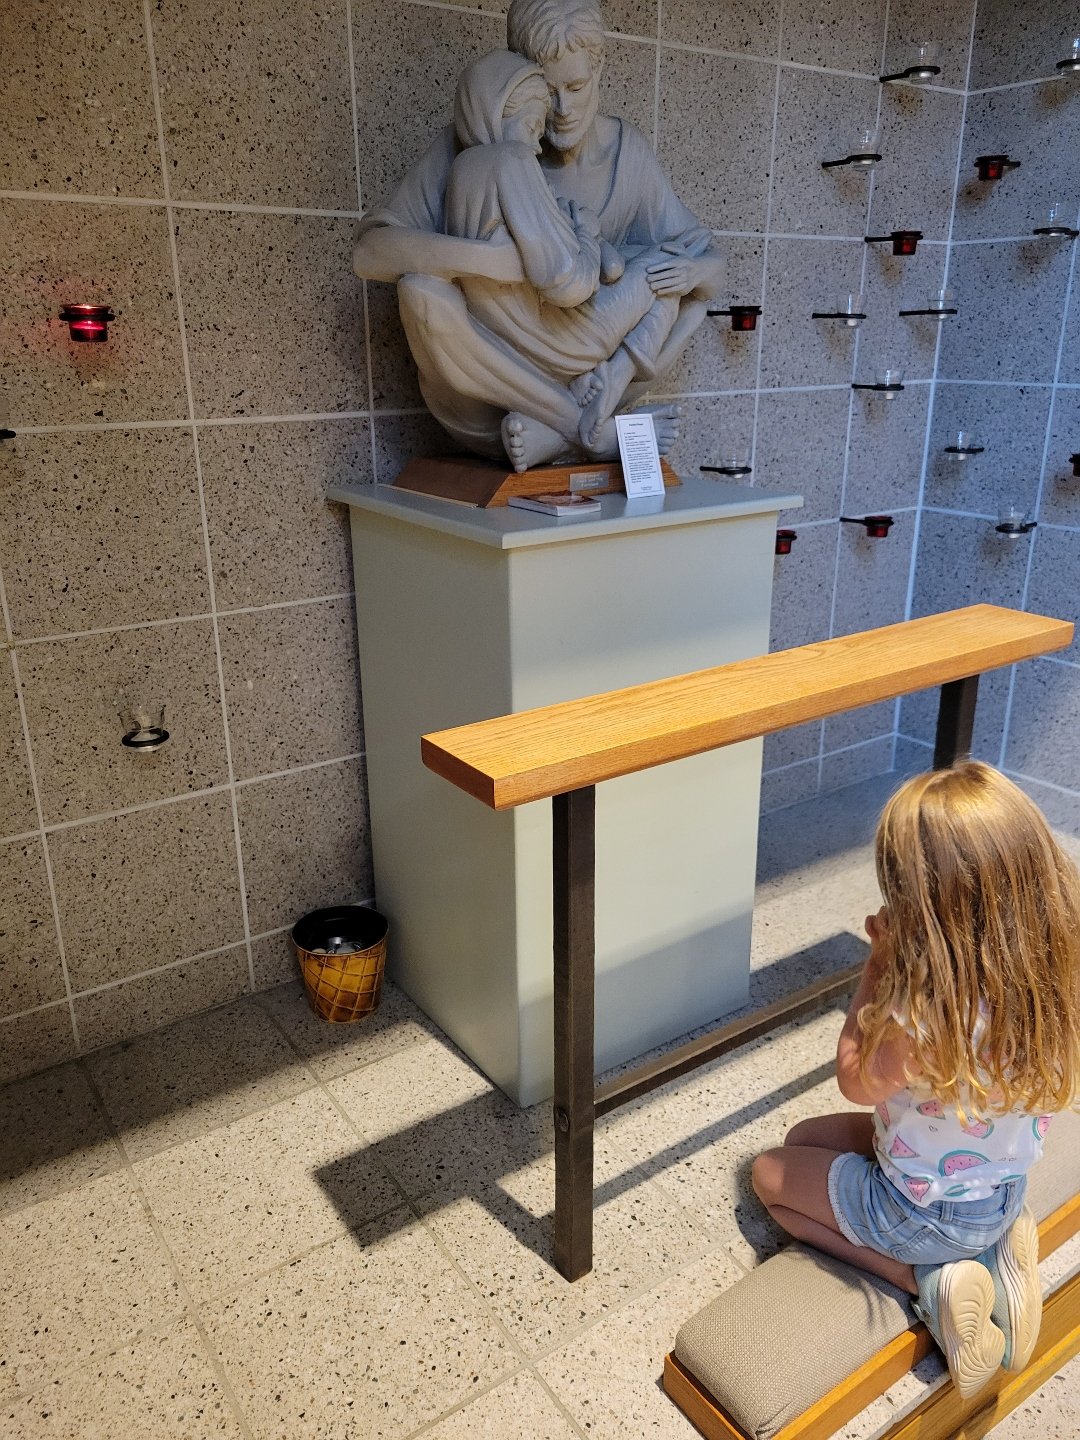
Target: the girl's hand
pixel 877 926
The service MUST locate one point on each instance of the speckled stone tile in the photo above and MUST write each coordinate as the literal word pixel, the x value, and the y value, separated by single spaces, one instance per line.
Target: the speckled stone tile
pixel 1060 502
pixel 55 1137
pixel 30 972
pixel 832 33
pixel 886 452
pixel 163 1385
pixel 290 1346
pixel 821 839
pixel 911 22
pixel 1052 1413
pixel 804 276
pixel 1010 423
pixel 911 757
pixel 138 1006
pixel 99 253
pixel 30 1042
pixel 407 59
pixel 801 437
pixel 918 714
pixel 963 561
pixel 282 711
pixel 1018 42
pixel 629 17
pixel 717 357
pixel 272 312
pixel 1034 124
pixel 709 426
pixel 781 788
pixel 436 1123
pixel 332 1050
pixel 1061 808
pixel 1069 368
pixel 817 119
pixel 520 1402
pixel 78 108
pixel 854 727
pixel 888 339
pixel 196 1076
pixel 264 487
pixel 309 1174
pixel 609 1377
pixel 169 872
pixel 121 509
pixel 1042 725
pixel 394 383
pixel 1054 583
pixel 913 186
pixel 1003 285
pixel 399 438
pixel 81 1274
pixel 785 747
pixel 500 1234
pixel 749 27
pixel 273 960
pixel 81 697
pixel 803 587
pixel 872 576
pixel 628 84
pixel 305 842
pixel 715 106
pixel 860 762
pixel 18 812
pixel 241 85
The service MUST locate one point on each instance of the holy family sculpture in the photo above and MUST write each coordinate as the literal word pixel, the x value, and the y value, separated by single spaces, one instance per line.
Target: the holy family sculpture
pixel 546 272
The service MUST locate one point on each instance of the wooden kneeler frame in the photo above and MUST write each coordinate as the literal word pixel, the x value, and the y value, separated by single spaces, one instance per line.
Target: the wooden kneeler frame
pixel 943 1415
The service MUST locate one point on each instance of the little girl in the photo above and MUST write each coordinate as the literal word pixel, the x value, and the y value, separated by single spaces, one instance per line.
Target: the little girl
pixel 964 1034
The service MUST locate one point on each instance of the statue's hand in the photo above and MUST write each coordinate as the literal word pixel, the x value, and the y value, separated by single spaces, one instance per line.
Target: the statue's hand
pixel 672 277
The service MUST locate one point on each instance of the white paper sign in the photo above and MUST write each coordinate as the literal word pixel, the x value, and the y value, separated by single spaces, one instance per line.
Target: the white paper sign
pixel 640 458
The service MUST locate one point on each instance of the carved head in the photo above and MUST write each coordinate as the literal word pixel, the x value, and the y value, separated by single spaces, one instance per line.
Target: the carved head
pixel 501 96
pixel 566 38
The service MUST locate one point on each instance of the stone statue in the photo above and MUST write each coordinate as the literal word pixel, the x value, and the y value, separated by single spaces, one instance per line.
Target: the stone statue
pixel 546 271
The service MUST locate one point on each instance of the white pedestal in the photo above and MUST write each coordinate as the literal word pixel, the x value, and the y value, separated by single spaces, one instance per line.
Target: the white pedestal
pixel 464 614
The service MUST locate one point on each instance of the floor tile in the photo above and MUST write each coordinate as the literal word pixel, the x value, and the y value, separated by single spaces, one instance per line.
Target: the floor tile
pixel 336 1049
pixel 53 1137
pixel 162 1386
pixel 500 1234
pixel 609 1378
pixel 196 1076
pixel 80 1275
pixel 436 1123
pixel 373 1335
pixel 261 1191
pixel 518 1409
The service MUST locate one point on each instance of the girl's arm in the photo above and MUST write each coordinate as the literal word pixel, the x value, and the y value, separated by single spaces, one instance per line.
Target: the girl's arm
pixel 893 1065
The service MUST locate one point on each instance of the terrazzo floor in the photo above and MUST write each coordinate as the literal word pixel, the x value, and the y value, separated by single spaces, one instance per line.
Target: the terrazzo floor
pixel 253 1224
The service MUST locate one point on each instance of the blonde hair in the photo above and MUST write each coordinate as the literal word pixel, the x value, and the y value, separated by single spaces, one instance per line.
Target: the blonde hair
pixel 983 943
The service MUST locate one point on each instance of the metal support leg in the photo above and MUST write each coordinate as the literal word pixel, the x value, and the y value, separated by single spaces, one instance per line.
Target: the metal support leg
pixel 574 833
pixel 956 720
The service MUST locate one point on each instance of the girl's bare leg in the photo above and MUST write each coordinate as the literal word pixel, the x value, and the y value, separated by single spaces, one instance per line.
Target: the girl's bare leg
pixel 843 1131
pixel 792 1183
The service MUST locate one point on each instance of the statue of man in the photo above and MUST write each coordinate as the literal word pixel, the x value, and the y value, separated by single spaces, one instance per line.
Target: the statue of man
pixel 491 397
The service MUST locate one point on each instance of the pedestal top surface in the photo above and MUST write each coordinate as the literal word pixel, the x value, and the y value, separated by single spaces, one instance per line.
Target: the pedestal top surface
pixel 696 501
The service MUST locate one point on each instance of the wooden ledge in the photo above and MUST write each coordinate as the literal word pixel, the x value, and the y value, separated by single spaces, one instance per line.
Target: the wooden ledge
pixel 539 753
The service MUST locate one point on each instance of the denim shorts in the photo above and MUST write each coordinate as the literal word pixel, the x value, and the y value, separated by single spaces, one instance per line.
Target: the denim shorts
pixel 871 1211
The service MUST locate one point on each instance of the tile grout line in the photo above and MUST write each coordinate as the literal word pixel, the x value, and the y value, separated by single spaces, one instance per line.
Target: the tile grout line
pixel 208 556
pixel 656 76
pixel 364 299
pixel 766 236
pixel 50 197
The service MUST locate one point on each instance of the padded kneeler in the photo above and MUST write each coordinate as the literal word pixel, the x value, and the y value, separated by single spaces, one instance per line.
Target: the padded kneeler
pixel 800 1324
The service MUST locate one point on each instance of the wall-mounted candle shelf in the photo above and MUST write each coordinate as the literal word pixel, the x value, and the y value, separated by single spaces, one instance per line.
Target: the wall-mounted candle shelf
pixel 145 736
pixel 736 467
pixel 936 312
pixel 1058 223
pixel 1074 461
pixel 784 541
pixel 743 317
pixel 904 242
pixel 1057 232
pixel 6 434
pixel 993 167
pixel 848 317
pixel 888 383
pixel 1071 63
pixel 861 160
pixel 876 526
pixel 87 323
pixel 922 69
pixel 964 446
pixel 863 154
pixel 1014 523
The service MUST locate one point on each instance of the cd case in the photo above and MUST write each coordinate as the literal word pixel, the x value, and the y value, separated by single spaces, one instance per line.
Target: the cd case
pixel 564 503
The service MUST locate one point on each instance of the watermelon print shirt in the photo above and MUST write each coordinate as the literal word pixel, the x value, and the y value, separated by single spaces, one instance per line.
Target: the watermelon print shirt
pixel 929 1155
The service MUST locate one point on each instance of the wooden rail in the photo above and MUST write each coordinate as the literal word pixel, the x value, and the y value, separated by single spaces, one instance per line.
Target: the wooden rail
pixel 539 753
pixel 563 751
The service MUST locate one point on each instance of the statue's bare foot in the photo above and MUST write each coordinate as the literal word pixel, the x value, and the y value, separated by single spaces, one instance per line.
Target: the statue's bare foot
pixel 601 405
pixel 667 421
pixel 585 387
pixel 530 442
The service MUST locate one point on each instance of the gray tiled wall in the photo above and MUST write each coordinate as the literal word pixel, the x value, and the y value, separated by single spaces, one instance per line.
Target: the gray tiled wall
pixel 1008 372
pixel 163 537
